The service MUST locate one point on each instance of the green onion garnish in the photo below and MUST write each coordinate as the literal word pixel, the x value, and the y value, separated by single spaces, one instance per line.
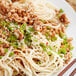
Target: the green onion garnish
pixel 63 50
pixel 35 39
pixel 11 54
pixel 16 23
pixel 31 29
pixel 65 37
pixel 65 42
pixel 23 27
pixel 61 10
pixel 42 45
pixel 50 48
pixel 6 50
pixel 1 42
pixel 57 34
pixel 54 38
pixel 71 54
pixel 48 27
pixel 49 53
pixel 27 39
pixel 71 48
pixel 42 20
pixel 66 46
pixel 59 15
pixel 46 34
pixel 62 35
pixel 15 44
pixel 4 32
pixel 1 57
pixel 10 28
pixel 44 49
pixel 49 38
pixel 38 62
pixel 12 38
pixel 4 23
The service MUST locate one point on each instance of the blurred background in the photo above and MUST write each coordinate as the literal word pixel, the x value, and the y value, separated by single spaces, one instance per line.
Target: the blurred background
pixel 72 3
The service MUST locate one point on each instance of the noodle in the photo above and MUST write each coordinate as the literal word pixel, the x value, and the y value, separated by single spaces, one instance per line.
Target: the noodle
pixel 30 45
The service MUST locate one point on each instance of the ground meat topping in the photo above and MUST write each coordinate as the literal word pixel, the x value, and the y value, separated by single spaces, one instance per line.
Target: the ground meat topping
pixel 64 19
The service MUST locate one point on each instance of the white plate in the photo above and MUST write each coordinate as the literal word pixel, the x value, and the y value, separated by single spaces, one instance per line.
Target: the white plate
pixel 71 30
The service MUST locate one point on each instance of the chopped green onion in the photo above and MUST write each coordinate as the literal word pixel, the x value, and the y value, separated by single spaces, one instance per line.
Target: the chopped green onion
pixel 62 35
pixel 50 48
pixel 54 38
pixel 6 50
pixel 49 38
pixel 44 49
pixel 65 42
pixel 61 10
pixel 65 37
pixel 31 29
pixel 71 48
pixel 10 28
pixel 28 36
pixel 11 54
pixel 42 20
pixel 49 53
pixel 36 44
pixel 27 33
pixel 1 57
pixel 3 32
pixel 46 34
pixel 42 45
pixel 4 23
pixel 57 34
pixel 8 23
pixel 27 39
pixel 63 50
pixel 12 38
pixel 1 42
pixel 66 46
pixel 48 27
pixel 23 27
pixel 16 27
pixel 27 42
pixel 59 15
pixel 22 31
pixel 16 23
pixel 61 56
pixel 35 39
pixel 38 62
pixel 22 46
pixel 15 44
pixel 71 54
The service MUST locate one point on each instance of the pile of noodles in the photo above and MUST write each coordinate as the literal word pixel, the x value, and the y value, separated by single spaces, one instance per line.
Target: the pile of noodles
pixel 11 65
